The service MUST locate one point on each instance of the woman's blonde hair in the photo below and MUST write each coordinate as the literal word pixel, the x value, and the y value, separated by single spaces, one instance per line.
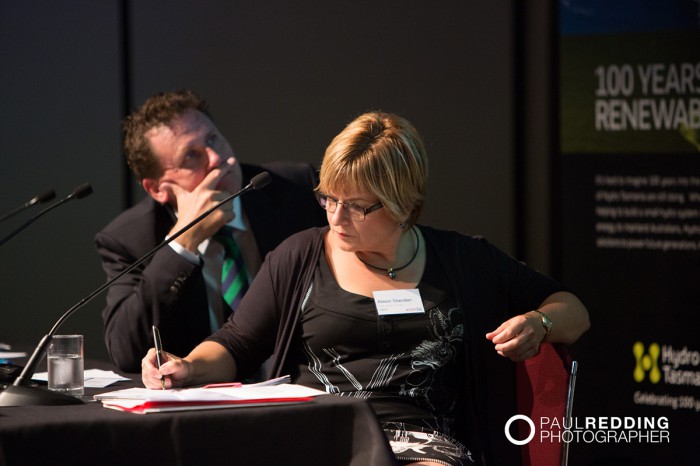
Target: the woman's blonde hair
pixel 379 153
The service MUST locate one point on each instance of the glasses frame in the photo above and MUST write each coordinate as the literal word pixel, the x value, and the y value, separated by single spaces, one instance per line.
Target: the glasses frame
pixel 350 206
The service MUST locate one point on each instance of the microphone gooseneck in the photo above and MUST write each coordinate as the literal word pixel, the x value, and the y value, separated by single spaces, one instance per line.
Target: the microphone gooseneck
pixel 78 193
pixel 38 199
pixel 18 394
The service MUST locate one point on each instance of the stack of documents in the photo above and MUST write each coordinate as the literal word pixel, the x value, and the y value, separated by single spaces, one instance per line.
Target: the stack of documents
pixel 6 354
pixel 144 401
pixel 92 378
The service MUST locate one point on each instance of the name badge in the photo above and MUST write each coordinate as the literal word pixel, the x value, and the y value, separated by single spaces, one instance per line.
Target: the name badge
pixel 392 302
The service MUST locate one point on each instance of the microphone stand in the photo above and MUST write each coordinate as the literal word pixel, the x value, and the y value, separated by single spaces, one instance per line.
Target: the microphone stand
pixel 78 193
pixel 38 199
pixel 20 393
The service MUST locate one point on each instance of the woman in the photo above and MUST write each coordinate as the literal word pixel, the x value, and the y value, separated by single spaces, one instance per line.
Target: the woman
pixel 421 357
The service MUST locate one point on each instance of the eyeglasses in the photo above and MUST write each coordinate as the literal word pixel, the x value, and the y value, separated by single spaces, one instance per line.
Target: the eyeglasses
pixel 356 212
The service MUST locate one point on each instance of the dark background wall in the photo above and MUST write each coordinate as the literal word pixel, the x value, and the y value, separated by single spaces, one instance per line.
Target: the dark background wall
pixel 282 79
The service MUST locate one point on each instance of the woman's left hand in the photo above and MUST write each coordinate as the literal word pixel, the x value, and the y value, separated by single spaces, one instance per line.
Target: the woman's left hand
pixel 518 338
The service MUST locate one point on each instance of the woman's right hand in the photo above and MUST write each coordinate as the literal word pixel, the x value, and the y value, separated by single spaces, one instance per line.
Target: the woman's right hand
pixel 174 369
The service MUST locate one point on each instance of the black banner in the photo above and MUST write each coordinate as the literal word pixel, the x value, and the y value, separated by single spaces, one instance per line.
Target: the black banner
pixel 629 213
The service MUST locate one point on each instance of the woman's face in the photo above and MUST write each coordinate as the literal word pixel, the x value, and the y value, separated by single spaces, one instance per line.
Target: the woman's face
pixel 378 232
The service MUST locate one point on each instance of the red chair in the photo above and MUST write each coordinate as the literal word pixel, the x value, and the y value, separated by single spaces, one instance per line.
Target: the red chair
pixel 545 386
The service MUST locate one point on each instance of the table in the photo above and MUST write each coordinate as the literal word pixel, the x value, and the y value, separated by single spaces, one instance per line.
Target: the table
pixel 327 431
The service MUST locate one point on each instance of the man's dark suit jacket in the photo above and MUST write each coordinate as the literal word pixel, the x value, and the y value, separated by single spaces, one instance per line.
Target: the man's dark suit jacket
pixel 168 291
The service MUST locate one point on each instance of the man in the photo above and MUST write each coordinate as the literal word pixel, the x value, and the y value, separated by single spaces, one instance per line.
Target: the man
pixel 186 166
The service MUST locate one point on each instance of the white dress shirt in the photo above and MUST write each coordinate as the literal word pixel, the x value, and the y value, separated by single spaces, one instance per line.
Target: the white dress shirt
pixel 212 255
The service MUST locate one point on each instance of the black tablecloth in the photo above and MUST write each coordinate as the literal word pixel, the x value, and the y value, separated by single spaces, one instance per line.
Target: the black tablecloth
pixel 327 431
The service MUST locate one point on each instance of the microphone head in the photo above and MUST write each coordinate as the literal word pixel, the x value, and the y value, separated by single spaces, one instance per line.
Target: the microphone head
pixel 261 180
pixel 81 191
pixel 45 196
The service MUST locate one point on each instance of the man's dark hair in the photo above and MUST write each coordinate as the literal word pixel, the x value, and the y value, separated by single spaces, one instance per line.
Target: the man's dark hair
pixel 158 110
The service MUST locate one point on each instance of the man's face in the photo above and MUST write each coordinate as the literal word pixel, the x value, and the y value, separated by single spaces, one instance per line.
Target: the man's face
pixel 188 149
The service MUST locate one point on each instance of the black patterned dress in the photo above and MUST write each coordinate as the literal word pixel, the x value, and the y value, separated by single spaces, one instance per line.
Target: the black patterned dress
pixel 409 367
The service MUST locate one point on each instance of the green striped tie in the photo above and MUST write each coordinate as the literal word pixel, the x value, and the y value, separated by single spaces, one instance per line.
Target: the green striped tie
pixel 234 275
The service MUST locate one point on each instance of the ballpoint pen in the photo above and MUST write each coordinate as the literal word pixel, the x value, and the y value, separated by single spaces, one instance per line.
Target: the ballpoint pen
pixel 159 352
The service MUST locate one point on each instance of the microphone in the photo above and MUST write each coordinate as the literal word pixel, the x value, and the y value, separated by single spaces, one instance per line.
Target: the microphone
pixel 20 394
pixel 38 199
pixel 260 181
pixel 78 193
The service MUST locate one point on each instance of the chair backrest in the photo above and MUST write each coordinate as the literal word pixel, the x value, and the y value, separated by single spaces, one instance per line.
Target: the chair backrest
pixel 543 392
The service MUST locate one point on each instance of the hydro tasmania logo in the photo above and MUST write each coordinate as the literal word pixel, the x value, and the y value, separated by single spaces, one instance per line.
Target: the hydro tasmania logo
pixel 664 363
pixel 646 363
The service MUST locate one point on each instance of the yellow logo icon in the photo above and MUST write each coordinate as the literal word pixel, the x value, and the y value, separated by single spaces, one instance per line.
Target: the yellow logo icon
pixel 646 362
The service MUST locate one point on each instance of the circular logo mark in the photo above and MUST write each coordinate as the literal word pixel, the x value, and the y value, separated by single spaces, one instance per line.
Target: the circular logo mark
pixel 519 417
